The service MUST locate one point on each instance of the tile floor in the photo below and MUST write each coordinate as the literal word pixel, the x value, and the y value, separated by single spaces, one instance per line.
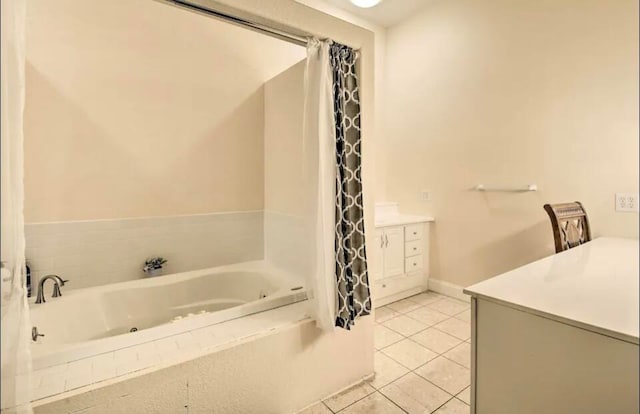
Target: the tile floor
pixel 422 361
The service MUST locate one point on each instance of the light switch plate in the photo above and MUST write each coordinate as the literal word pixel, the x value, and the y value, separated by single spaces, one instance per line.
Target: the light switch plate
pixel 626 202
pixel 425 195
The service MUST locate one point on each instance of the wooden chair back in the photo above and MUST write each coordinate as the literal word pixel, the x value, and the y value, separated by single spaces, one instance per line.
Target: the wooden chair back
pixel 570 225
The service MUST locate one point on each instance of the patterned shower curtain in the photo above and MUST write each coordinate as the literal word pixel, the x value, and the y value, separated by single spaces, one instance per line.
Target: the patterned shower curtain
pixel 353 297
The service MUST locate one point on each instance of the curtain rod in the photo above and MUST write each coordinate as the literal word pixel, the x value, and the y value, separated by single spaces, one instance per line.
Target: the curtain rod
pixel 280 34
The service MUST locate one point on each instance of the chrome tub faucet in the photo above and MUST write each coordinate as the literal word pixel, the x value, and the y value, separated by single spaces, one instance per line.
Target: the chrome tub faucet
pixel 57 280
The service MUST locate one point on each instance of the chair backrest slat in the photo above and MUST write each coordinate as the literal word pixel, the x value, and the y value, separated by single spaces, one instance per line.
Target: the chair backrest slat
pixel 570 225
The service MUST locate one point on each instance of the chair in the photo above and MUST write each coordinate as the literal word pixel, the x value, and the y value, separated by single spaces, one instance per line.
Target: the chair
pixel 570 225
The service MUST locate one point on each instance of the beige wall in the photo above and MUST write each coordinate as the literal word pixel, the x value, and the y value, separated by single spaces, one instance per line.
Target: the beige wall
pixel 349 355
pixel 283 115
pixel 136 108
pixel 507 92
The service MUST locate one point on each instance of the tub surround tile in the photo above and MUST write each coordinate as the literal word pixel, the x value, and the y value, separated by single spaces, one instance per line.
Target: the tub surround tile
pixel 51 388
pixel 156 354
pixel 192 242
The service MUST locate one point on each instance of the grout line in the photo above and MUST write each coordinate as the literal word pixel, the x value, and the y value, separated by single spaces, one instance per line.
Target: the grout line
pixel 409 337
pixel 393 402
pixel 359 399
pixel 438 354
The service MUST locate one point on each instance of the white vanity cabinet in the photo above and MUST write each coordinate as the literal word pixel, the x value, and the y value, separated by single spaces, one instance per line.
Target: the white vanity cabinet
pixel 391 252
pixel 400 267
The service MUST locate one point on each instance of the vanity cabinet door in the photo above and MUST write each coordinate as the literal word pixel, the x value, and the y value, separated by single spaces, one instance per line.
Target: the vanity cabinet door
pixel 378 253
pixel 393 264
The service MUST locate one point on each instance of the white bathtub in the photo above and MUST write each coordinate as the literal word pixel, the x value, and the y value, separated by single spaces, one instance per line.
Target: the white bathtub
pixel 91 321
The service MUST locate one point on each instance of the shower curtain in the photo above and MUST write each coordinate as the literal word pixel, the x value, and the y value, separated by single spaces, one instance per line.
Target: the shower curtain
pixel 15 346
pixel 352 279
pixel 338 282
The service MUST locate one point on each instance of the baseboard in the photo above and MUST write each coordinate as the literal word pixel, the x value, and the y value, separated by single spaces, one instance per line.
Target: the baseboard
pixel 448 289
pixel 378 303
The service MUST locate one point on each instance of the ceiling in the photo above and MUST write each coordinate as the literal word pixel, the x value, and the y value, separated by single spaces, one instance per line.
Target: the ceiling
pixel 387 13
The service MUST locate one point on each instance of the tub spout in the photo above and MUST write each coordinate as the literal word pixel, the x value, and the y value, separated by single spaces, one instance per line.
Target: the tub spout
pixel 57 280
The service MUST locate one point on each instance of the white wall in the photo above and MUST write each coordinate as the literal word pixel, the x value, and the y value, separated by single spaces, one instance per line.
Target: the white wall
pixel 511 93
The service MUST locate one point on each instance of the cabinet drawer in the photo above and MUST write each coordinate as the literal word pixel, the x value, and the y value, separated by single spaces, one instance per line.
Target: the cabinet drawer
pixel 412 264
pixel 412 248
pixel 413 232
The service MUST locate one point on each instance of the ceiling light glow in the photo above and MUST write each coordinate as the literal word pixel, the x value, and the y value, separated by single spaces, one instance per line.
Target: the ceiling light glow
pixel 365 4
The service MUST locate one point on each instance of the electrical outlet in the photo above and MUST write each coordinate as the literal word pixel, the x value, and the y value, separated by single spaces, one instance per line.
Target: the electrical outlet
pixel 425 195
pixel 626 202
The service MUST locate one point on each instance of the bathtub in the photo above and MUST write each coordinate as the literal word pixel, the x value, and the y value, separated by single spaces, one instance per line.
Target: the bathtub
pixel 87 322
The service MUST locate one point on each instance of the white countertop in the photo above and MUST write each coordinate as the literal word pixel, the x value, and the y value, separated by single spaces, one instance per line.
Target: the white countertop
pixel 400 219
pixel 593 286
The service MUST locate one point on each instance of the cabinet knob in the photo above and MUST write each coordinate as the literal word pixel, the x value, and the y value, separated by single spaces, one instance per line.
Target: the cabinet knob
pixel 384 286
pixel 414 233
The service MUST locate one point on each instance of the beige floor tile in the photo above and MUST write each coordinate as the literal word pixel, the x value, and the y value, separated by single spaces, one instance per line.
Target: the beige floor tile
pixel 427 298
pixel 456 327
pixel 465 395
pixel 454 406
pixel 435 340
pixel 384 313
pixel 409 353
pixel 449 306
pixel 373 404
pixel 383 336
pixel 405 325
pixel 460 354
pixel 415 395
pixel 464 316
pixel 348 397
pixel 386 370
pixel 319 408
pixel 427 316
pixel 404 306
pixel 446 374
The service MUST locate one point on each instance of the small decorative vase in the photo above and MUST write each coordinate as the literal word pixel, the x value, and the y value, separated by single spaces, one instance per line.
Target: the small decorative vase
pixel 155 272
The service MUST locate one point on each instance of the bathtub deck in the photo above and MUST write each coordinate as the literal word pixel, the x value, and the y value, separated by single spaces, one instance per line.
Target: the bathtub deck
pixel 65 380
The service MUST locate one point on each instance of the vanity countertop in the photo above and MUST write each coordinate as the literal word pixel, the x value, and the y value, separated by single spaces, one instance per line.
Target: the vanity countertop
pixel 401 219
pixel 593 286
